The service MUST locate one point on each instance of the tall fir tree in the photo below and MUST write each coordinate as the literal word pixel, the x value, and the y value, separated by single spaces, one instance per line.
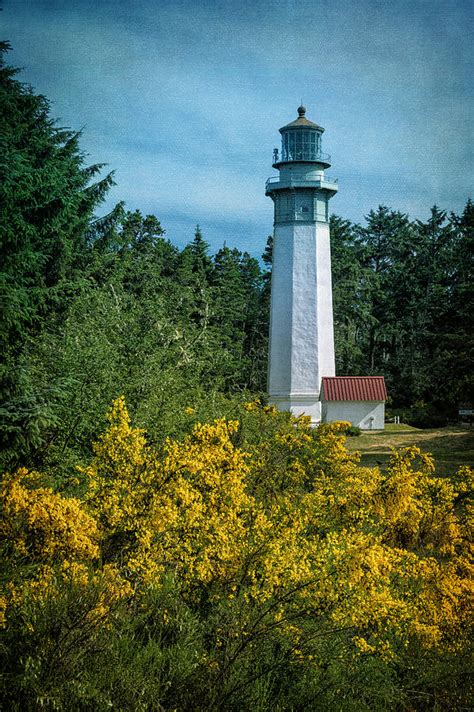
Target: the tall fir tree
pixel 47 204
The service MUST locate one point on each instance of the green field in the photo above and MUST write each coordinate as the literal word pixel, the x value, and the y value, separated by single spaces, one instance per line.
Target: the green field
pixel 451 447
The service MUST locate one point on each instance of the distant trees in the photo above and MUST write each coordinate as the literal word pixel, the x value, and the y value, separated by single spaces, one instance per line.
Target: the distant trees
pixel 403 304
pixel 93 307
pixel 168 328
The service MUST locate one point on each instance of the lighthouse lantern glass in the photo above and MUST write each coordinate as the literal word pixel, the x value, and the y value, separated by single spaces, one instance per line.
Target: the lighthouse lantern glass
pixel 300 145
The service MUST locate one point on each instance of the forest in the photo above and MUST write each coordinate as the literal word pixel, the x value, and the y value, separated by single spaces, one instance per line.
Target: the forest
pixel 170 541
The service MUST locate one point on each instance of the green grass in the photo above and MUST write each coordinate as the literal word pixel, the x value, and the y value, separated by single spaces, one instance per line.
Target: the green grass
pixel 451 447
pixel 400 428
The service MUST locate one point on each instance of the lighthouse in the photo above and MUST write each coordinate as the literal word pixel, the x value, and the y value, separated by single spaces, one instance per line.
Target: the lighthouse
pixel 301 348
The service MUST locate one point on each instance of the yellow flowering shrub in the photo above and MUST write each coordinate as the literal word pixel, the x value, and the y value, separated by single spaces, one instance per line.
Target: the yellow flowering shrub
pixel 293 522
pixel 52 581
pixel 286 528
pixel 52 543
pixel 187 511
pixel 41 525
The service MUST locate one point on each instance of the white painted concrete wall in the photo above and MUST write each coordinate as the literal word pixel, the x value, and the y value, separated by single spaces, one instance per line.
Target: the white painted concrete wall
pixel 327 362
pixel 300 171
pixel 301 318
pixel 367 415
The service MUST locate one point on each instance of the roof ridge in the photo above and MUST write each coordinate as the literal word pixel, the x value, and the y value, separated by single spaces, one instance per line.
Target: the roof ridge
pixel 340 377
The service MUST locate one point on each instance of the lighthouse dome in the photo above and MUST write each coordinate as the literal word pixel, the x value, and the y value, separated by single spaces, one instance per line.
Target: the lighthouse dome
pixel 302 122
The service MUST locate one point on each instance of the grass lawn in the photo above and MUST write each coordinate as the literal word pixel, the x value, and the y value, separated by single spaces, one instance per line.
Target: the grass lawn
pixel 450 447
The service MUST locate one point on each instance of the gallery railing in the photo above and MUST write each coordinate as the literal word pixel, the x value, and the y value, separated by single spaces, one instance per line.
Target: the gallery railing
pixel 308 155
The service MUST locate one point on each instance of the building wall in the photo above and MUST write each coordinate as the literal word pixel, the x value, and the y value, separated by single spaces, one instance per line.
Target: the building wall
pixel 299 405
pixel 301 171
pixel 301 322
pixel 367 415
pixel 279 373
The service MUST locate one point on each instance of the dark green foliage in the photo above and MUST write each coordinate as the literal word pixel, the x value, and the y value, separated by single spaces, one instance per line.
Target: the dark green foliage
pixel 93 308
pixel 237 287
pixel 352 431
pixel 350 296
pixel 47 201
pixel 403 305
pixel 138 327
pixel 158 652
pixel 146 656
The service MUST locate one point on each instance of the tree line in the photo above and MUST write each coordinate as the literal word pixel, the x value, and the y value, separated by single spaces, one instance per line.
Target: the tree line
pixel 97 307
pixel 403 305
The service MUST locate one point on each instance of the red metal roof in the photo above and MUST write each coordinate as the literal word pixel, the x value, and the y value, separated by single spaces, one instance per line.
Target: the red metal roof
pixel 353 388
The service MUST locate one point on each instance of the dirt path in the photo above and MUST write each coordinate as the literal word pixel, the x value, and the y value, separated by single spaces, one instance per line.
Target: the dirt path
pixel 451 447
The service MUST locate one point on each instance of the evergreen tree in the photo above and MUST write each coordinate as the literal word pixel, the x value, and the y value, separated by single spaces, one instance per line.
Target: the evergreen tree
pixel 194 266
pixel 403 306
pixel 47 204
pixel 193 274
pixel 388 240
pixel 453 347
pixel 257 323
pixel 350 281
pixel 236 281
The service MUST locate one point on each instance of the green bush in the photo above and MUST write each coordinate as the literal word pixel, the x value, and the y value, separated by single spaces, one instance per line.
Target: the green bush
pixel 352 431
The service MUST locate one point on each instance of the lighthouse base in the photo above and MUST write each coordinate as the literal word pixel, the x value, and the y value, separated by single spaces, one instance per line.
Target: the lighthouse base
pixel 299 404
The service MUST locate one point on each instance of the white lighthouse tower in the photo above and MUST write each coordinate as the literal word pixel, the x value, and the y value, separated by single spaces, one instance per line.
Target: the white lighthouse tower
pixel 301 320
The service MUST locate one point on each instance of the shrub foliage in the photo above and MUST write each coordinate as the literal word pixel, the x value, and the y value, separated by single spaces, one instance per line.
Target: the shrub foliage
pixel 252 562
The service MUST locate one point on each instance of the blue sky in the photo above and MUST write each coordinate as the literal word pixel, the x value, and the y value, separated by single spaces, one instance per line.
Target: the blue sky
pixel 183 99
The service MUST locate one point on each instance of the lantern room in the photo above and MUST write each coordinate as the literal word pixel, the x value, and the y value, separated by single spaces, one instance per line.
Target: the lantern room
pixel 301 141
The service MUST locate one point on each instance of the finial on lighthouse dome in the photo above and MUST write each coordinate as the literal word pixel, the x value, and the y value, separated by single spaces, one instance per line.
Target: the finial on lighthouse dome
pixel 301 122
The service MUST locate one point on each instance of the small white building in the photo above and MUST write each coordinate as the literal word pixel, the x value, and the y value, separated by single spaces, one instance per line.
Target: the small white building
pixel 357 399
